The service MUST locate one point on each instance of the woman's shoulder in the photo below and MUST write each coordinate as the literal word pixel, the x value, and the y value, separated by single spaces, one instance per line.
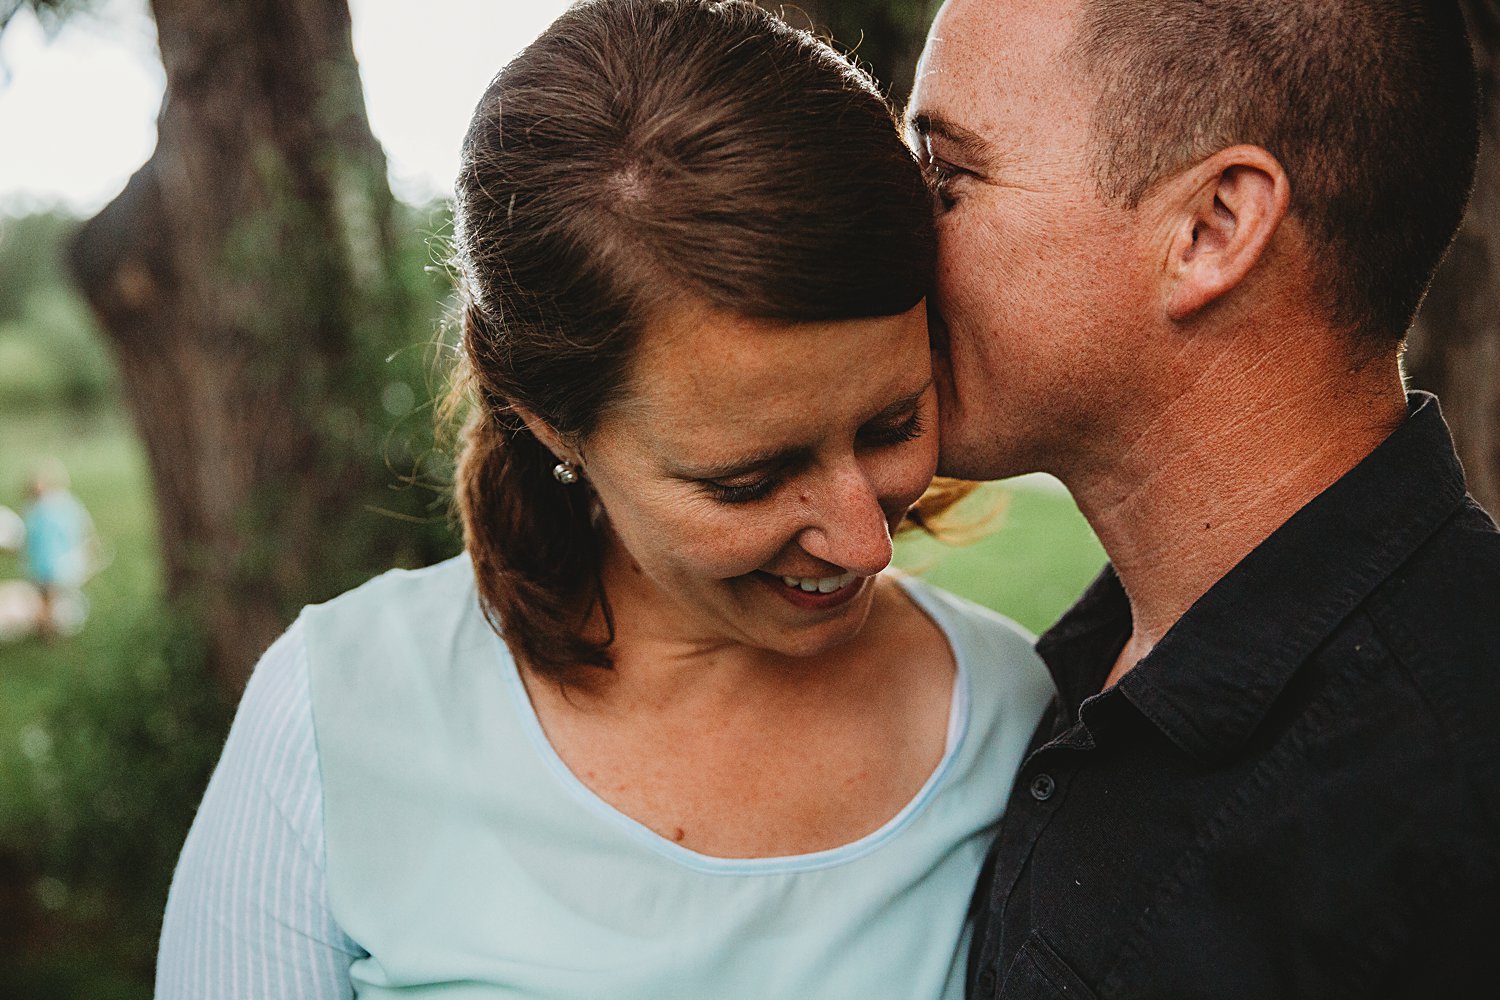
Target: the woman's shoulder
pixel 398 599
pixel 996 654
pixel 964 619
pixel 403 625
pixel 440 581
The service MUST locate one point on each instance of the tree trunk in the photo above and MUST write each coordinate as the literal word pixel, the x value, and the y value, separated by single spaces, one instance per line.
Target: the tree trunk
pixel 247 279
pixel 1455 348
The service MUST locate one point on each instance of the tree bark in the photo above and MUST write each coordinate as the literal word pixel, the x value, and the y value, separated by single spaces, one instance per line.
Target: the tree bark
pixel 247 279
pixel 1455 348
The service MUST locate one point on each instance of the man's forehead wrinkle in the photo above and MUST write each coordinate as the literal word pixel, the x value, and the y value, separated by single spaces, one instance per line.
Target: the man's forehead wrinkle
pixel 1002 101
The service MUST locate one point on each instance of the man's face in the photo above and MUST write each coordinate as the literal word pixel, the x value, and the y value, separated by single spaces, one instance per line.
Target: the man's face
pixel 1040 284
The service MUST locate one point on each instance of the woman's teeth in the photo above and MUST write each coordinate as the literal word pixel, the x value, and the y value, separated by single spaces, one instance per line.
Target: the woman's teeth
pixel 820 584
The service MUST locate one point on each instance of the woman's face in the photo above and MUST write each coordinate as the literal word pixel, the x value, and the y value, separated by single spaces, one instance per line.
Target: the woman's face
pixel 751 453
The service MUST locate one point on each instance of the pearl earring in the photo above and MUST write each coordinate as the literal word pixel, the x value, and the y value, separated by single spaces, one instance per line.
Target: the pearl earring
pixel 565 472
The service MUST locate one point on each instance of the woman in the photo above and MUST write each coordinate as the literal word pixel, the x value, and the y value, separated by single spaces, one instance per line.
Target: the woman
pixel 718 752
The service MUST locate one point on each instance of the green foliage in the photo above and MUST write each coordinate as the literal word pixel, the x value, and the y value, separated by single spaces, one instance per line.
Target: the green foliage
pixel 354 275
pixel 52 356
pixel 116 774
pixel 107 739
pixel 51 353
pixel 52 13
pixel 67 706
pixel 29 258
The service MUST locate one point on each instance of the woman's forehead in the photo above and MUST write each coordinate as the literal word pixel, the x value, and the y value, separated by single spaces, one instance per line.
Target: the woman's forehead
pixel 703 356
pixel 701 375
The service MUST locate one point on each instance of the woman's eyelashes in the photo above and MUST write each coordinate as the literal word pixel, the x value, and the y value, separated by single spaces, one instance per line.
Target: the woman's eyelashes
pixel 879 436
pixel 909 429
pixel 732 493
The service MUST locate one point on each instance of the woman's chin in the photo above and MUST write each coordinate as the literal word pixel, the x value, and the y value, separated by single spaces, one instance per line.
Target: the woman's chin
pixel 802 624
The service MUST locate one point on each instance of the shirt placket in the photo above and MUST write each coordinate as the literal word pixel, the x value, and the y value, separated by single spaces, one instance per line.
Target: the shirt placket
pixel 1041 787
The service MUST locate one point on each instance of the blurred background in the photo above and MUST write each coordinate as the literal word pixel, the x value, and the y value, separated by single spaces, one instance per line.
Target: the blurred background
pixel 221 336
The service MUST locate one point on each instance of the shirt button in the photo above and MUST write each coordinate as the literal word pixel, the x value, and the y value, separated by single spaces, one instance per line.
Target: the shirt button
pixel 1042 787
pixel 987 983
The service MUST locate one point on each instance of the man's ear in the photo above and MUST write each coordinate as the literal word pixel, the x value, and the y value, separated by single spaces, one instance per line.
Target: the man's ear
pixel 1225 212
pixel 550 439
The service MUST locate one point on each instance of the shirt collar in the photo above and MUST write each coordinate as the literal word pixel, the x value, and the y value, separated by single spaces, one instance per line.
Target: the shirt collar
pixel 1213 677
pixel 1081 648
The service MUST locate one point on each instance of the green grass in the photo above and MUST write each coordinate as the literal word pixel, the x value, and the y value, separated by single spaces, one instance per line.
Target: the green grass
pixel 109 475
pixel 1036 561
pixel 108 470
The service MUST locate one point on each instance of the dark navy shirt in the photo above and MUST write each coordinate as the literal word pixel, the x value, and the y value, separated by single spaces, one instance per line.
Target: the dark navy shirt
pixel 1297 793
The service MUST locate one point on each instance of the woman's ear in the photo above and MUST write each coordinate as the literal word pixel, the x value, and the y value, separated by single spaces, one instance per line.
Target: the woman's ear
pixel 1225 212
pixel 544 432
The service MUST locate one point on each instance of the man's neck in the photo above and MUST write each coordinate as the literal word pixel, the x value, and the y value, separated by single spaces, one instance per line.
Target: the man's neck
pixel 1219 467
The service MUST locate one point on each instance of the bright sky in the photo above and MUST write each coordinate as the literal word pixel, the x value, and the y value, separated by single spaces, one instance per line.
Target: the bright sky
pixel 78 112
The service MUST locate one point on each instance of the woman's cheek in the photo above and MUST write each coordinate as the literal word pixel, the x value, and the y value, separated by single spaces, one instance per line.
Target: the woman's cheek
pixel 910 474
pixel 735 544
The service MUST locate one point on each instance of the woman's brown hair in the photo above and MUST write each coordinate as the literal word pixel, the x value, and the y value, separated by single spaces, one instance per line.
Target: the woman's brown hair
pixel 641 152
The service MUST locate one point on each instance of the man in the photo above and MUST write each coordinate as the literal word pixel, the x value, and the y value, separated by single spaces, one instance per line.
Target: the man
pixel 1180 245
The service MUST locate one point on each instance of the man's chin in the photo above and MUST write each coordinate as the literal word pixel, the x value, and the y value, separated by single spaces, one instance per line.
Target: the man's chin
pixel 975 466
pixel 972 453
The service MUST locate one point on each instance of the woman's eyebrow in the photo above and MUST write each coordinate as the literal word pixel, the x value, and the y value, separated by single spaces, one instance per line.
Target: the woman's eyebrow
pixel 782 458
pixel 770 458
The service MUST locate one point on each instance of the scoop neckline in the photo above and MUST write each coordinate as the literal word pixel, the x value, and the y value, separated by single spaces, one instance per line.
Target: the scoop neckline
pixel 642 835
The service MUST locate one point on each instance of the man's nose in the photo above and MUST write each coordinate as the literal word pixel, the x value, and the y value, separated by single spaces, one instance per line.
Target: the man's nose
pixel 847 526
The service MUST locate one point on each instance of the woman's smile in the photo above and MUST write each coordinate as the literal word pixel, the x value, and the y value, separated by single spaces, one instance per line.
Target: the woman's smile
pixel 815 593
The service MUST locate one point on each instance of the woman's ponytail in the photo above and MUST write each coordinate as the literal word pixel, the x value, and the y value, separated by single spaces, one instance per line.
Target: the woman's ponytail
pixel 530 537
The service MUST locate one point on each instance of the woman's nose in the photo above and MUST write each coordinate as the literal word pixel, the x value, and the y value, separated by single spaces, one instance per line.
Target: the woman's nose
pixel 847 526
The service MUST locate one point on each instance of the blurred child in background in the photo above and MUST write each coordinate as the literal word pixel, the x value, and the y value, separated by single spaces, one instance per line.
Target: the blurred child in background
pixel 61 549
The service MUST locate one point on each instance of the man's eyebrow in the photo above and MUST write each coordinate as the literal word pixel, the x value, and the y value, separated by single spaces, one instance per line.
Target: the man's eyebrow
pixel 968 142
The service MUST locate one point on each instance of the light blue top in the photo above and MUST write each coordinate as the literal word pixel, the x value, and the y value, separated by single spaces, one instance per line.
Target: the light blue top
pixel 457 856
pixel 57 531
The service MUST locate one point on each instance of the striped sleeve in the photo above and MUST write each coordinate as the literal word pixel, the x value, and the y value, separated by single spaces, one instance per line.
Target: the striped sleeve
pixel 248 914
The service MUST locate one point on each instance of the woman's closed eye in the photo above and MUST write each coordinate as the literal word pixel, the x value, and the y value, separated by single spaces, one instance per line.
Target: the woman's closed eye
pixel 746 491
pixel 900 432
pixel 753 486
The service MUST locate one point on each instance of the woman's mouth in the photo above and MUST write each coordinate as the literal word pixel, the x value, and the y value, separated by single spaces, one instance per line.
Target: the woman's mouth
pixel 815 593
pixel 820 584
